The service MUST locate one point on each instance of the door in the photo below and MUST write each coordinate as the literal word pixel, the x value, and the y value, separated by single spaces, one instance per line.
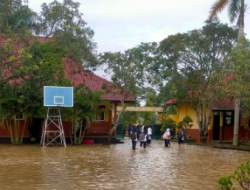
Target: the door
pixel 216 126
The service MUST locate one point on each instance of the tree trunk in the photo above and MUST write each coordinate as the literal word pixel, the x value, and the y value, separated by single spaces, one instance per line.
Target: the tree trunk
pixel 87 125
pixel 116 123
pixel 70 133
pixel 21 140
pixel 203 135
pixel 74 128
pixel 80 133
pixel 236 122
pixel 10 131
pixel 16 131
pixel 237 101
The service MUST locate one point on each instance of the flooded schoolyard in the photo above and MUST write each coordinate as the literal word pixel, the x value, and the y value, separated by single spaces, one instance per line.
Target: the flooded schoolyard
pixel 97 166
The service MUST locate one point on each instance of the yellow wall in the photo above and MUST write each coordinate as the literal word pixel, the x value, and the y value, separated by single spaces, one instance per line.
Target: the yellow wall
pixel 107 112
pixel 183 111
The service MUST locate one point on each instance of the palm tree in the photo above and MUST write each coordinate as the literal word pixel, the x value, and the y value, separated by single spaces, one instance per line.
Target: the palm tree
pixel 83 113
pixel 12 104
pixel 236 9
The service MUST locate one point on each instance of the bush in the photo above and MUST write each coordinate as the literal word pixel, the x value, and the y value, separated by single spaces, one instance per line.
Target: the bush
pixel 241 175
pixel 169 122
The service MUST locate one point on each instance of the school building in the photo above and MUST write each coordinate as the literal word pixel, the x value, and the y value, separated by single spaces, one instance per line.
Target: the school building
pixel 77 75
pixel 222 121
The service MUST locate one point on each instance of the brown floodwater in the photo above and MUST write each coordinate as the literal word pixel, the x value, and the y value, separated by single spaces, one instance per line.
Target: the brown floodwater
pixel 116 167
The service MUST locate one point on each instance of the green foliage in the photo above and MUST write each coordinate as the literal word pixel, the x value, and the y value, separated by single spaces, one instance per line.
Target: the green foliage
pixel 12 103
pixel 193 65
pixel 241 175
pixel 84 111
pixel 180 124
pixel 171 110
pixel 234 9
pixel 187 119
pixel 16 17
pixel 186 123
pixel 170 123
pixel 41 63
pixel 65 23
pixel 225 183
pixel 238 68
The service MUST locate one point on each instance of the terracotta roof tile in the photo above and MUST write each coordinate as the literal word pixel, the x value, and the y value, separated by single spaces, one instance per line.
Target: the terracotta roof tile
pixel 171 101
pixel 77 75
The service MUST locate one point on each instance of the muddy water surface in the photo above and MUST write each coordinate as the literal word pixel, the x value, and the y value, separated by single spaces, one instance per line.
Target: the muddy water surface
pixel 91 167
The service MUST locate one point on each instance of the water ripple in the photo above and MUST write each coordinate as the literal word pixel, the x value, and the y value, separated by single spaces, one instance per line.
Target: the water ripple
pixel 116 167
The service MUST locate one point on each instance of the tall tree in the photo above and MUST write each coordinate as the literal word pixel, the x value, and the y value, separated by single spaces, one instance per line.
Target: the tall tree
pixel 16 17
pixel 65 23
pixel 236 10
pixel 127 70
pixel 32 64
pixel 193 64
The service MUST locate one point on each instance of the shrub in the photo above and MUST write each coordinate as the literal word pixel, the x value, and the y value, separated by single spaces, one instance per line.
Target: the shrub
pixel 241 175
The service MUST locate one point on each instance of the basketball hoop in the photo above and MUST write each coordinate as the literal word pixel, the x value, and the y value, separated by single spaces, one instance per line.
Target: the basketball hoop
pixel 54 98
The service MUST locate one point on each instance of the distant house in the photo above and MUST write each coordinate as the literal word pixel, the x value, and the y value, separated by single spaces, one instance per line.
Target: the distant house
pixel 77 75
pixel 222 120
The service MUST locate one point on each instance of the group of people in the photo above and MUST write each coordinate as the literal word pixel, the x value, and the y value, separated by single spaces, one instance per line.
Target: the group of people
pixel 144 135
pixel 141 133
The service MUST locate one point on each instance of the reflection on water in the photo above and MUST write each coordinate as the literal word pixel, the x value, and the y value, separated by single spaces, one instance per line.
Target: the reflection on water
pixel 116 167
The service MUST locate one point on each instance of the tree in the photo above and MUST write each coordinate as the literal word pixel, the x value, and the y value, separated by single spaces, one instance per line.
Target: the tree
pixel 238 68
pixel 186 124
pixel 193 64
pixel 83 113
pixel 170 123
pixel 241 175
pixel 16 17
pixel 236 10
pixel 12 104
pixel 127 72
pixel 32 64
pixel 64 22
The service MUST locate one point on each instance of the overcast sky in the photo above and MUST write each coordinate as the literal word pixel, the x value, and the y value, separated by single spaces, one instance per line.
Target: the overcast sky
pixel 123 24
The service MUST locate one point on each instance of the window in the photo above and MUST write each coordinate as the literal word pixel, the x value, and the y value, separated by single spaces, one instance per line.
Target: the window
pixel 100 116
pixel 228 118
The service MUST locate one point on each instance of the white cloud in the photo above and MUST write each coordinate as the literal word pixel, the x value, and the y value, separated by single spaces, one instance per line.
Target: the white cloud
pixel 123 24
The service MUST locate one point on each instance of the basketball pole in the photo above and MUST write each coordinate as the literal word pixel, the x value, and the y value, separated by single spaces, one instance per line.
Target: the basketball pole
pixel 53 120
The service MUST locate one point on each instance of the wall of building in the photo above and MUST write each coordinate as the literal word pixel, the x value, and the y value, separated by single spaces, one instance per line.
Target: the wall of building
pixel 98 128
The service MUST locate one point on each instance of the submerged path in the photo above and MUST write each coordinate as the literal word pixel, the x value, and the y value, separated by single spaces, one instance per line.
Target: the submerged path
pixel 116 167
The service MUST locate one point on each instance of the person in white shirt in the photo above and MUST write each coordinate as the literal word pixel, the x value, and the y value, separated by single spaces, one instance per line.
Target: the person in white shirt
pixel 167 137
pixel 149 132
pixel 143 139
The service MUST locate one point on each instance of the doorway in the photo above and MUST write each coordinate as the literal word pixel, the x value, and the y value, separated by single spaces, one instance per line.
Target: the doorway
pixel 216 126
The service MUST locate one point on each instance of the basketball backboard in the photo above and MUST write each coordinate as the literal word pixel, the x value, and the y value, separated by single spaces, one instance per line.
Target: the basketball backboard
pixel 58 96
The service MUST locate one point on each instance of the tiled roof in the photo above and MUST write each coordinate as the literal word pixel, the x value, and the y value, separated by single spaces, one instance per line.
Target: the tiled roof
pixel 77 75
pixel 227 104
pixel 171 101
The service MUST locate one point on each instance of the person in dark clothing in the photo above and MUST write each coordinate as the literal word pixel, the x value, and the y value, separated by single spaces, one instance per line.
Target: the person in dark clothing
pixel 134 137
pixel 180 136
pixel 130 128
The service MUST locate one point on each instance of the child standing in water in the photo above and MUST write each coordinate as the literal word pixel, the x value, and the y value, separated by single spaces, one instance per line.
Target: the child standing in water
pixel 133 137
pixel 180 136
pixel 143 139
